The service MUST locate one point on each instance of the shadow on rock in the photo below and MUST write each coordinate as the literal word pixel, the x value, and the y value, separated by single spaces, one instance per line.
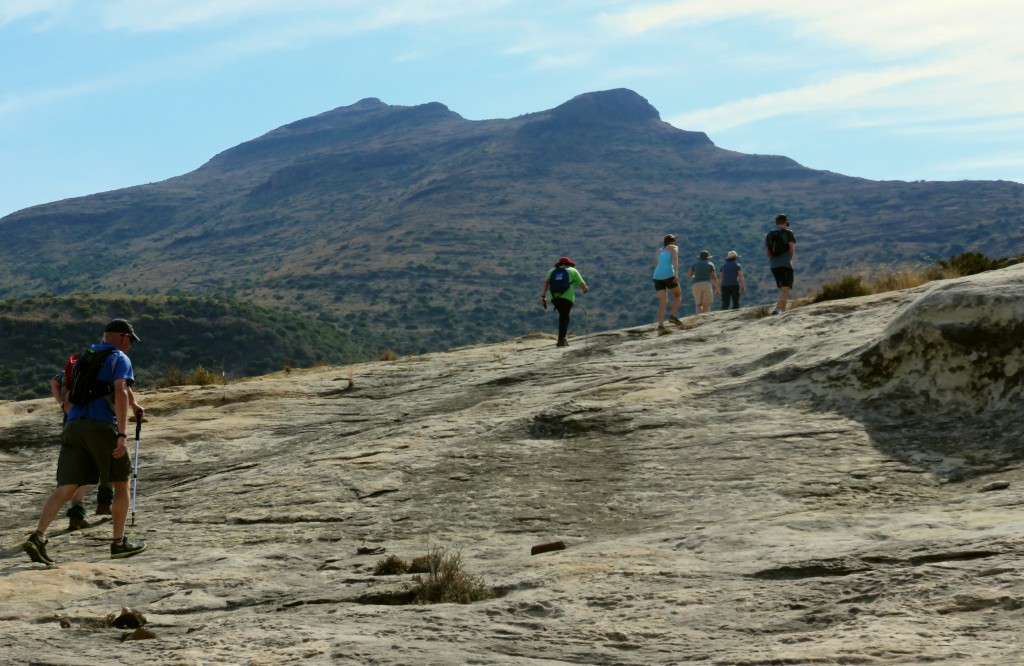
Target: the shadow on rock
pixel 941 388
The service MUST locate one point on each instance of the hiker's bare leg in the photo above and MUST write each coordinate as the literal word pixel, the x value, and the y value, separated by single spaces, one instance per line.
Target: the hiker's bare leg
pixel 783 297
pixel 662 302
pixel 54 502
pixel 119 509
pixel 79 496
pixel 677 299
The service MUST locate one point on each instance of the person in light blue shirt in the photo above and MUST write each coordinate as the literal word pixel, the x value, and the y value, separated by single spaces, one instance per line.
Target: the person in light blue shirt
pixel 666 272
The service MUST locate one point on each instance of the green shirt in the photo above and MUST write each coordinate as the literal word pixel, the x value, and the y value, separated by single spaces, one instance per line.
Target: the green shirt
pixel 574 279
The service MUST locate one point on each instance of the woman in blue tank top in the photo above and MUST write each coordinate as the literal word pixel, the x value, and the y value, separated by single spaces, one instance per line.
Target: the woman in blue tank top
pixel 666 270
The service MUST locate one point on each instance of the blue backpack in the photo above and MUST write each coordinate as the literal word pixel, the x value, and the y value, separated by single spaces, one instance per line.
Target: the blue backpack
pixel 560 281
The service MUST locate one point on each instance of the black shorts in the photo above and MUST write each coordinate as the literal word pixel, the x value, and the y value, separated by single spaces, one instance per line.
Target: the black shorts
pixel 670 283
pixel 86 455
pixel 783 276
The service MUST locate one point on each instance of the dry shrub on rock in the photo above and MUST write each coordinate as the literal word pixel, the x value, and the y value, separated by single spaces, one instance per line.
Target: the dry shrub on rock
pixel 426 563
pixel 198 376
pixel 392 565
pixel 447 582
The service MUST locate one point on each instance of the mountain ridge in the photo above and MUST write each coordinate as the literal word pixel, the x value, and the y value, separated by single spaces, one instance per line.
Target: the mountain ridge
pixel 369 215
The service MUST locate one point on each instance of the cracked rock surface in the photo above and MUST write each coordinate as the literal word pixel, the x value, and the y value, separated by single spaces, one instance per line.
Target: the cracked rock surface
pixel 839 484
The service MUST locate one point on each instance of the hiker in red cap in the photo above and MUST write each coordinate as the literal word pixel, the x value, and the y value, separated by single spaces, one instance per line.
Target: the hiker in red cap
pixel 561 281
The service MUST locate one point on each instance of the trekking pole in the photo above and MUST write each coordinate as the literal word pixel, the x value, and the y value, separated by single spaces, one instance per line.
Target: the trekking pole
pixel 135 466
pixel 586 319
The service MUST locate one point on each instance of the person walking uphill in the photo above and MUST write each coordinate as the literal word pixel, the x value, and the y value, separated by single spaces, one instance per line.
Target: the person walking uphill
pixel 666 272
pixel 780 246
pixel 702 274
pixel 730 277
pixel 104 494
pixel 561 281
pixel 94 444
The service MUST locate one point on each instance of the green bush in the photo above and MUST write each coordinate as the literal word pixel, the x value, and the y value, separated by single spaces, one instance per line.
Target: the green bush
pixel 972 263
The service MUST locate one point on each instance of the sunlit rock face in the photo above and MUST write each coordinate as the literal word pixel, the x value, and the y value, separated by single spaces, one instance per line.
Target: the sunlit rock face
pixel 838 484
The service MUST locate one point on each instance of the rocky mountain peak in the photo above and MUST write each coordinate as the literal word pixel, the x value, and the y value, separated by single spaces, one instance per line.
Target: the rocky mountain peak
pixel 619 106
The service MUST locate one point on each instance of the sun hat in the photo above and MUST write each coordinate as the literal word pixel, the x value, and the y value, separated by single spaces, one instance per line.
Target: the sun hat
pixel 732 255
pixel 704 255
pixel 564 261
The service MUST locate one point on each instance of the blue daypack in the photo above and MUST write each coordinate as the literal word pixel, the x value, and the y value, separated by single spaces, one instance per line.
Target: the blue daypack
pixel 560 281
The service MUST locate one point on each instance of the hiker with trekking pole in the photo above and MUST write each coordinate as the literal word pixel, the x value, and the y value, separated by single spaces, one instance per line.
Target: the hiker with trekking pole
pixel 561 281
pixel 77 515
pixel 94 446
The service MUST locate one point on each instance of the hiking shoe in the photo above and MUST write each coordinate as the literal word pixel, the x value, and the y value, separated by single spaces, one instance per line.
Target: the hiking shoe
pixel 776 311
pixel 103 510
pixel 35 546
pixel 675 320
pixel 76 516
pixel 126 548
pixel 562 342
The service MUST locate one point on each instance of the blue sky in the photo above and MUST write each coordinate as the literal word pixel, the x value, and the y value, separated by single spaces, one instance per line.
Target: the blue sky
pixel 97 95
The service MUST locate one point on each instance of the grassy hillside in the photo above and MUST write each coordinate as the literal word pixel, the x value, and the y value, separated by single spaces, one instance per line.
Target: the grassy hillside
pixel 234 338
pixel 417 226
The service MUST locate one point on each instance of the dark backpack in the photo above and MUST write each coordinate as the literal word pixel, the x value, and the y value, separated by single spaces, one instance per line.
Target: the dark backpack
pixel 83 387
pixel 69 368
pixel 560 281
pixel 778 242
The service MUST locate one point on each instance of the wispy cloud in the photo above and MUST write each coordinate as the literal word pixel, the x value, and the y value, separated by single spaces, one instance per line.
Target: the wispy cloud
pixel 14 10
pixel 882 25
pixel 15 102
pixel 945 57
pixel 855 90
pixel 173 15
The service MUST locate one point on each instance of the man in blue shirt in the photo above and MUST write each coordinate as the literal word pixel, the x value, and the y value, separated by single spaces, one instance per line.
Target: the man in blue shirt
pixel 104 494
pixel 94 445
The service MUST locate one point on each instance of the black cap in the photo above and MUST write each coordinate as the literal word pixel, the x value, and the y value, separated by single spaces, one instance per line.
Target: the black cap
pixel 122 326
